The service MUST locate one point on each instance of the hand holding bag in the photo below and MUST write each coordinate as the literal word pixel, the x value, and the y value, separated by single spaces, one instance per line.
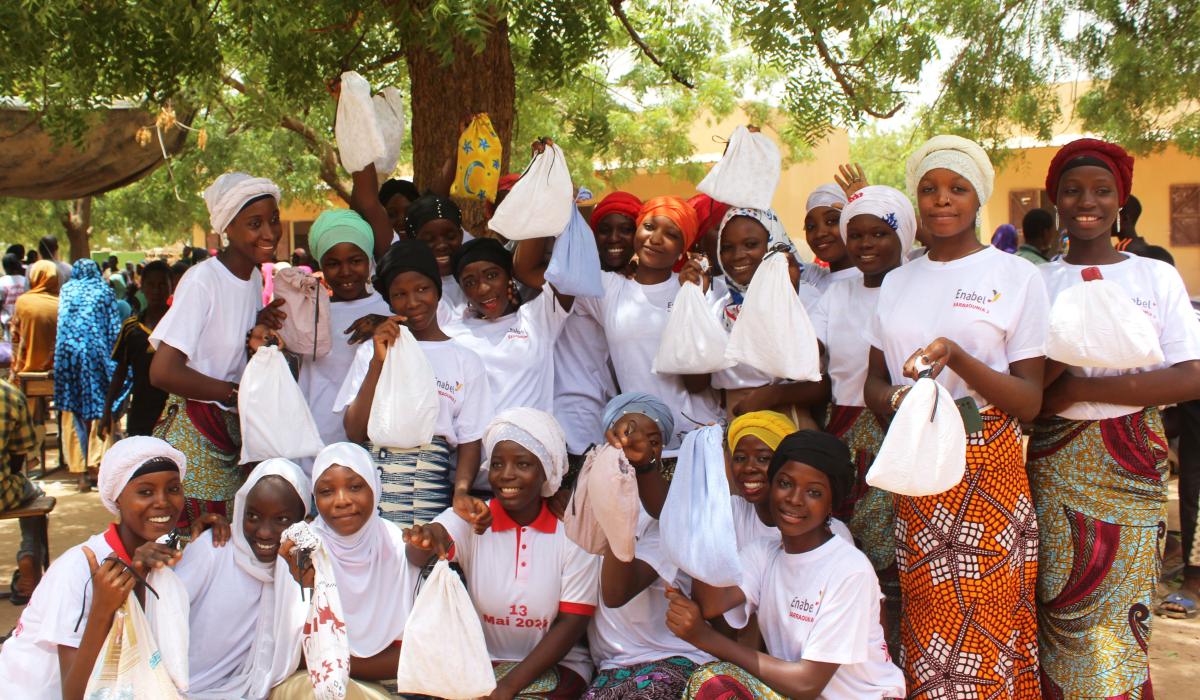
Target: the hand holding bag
pixel 540 204
pixel 325 644
pixel 1096 324
pixel 444 654
pixel 405 410
pixel 130 664
pixel 773 333
pixel 693 341
pixel 603 512
pixel 273 412
pixel 574 267
pixel 924 452
pixel 306 329
pixel 359 138
pixel 748 172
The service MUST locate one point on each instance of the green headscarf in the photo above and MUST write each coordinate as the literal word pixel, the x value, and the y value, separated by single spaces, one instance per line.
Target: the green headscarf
pixel 340 226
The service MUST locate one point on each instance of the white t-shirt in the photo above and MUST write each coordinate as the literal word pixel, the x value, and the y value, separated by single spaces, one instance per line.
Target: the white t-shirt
pixel 744 376
pixel 1158 291
pixel 453 305
pixel 633 316
pixel 821 277
pixel 840 319
pixel 320 379
pixel 822 606
pixel 583 381
pixel 748 527
pixel 464 400
pixel 521 578
pixel 29 659
pixel 991 303
pixel 517 351
pixel 210 313
pixel 636 632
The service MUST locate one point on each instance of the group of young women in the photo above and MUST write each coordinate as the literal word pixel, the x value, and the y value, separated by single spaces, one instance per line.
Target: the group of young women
pixel 1032 577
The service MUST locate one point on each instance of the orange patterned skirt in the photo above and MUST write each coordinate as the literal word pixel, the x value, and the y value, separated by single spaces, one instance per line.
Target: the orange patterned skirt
pixel 968 571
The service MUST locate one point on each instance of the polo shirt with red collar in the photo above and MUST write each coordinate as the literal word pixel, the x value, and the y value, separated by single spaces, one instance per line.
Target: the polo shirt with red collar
pixel 521 577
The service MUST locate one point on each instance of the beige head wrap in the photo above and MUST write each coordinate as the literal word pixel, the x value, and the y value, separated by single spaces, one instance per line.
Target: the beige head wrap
pixel 125 457
pixel 957 154
pixel 536 431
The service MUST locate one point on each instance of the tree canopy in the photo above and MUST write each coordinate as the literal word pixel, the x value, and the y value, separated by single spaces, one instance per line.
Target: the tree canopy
pixel 615 81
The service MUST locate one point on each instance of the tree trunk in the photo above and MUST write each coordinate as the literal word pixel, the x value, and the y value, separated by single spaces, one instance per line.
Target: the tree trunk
pixel 77 220
pixel 445 94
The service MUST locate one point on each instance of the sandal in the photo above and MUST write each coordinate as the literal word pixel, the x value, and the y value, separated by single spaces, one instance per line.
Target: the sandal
pixel 1185 606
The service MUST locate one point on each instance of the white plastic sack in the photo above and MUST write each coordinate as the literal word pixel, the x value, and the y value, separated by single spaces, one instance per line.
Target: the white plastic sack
pixel 924 452
pixel 444 654
pixel 540 204
pixel 697 517
pixel 748 172
pixel 405 410
pixel 574 267
pixel 130 664
pixel 693 341
pixel 389 116
pixel 273 412
pixel 1096 324
pixel 168 615
pixel 773 333
pixel 359 138
pixel 325 644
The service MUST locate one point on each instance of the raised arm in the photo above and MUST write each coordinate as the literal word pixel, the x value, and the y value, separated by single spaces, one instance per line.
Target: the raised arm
pixel 364 200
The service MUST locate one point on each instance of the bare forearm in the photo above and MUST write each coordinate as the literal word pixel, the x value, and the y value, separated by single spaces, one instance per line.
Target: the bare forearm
pixel 469 458
pixel 566 630
pixel 1161 387
pixel 358 412
pixel 169 372
pixel 1018 396
pixel 784 677
pixel 76 664
pixel 715 601
pixel 529 266
pixel 621 582
pixel 801 393
pixel 364 200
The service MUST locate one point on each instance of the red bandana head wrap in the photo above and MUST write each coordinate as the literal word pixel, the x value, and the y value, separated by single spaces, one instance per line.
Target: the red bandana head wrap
pixel 679 212
pixel 506 182
pixel 621 203
pixel 1114 158
pixel 709 211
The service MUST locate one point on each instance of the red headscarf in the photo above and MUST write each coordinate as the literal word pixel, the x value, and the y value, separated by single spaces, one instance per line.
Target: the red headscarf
pixel 709 211
pixel 1112 156
pixel 621 203
pixel 680 213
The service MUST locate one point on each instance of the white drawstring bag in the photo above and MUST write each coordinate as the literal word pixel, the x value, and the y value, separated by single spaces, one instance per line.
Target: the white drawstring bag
pixel 772 333
pixel 273 412
pixel 574 267
pixel 924 452
pixel 325 644
pixel 405 410
pixel 693 341
pixel 168 616
pixel 1096 324
pixel 748 172
pixel 540 204
pixel 389 116
pixel 130 664
pixel 359 138
pixel 697 518
pixel 444 654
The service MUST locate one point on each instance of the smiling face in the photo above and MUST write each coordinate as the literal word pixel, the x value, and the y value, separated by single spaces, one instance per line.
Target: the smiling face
pixel 444 238
pixel 271 507
pixel 1088 202
pixel 346 269
pixel 801 501
pixel 486 286
pixel 256 230
pixel 947 203
pixel 614 239
pixel 516 477
pixel 749 462
pixel 344 500
pixel 415 297
pixel 658 243
pixel 150 504
pixel 397 208
pixel 821 232
pixel 743 245
pixel 873 246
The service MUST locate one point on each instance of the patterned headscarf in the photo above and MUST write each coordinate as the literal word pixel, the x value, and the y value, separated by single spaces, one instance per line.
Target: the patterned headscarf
pixel 776 237
pixel 956 154
pixel 536 431
pixel 888 204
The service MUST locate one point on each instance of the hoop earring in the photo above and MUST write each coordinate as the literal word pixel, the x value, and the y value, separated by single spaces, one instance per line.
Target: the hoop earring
pixel 224 240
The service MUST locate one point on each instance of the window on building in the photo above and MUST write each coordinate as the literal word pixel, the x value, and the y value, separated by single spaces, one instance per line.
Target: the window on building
pixel 1185 214
pixel 1021 202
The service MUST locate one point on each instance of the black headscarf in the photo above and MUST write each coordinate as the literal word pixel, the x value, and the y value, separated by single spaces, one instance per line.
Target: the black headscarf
pixel 406 255
pixel 486 249
pixel 430 207
pixel 822 452
pixel 394 187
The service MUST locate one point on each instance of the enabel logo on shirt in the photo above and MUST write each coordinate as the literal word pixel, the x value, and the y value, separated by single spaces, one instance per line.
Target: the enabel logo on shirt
pixel 805 610
pixel 964 299
pixel 1147 306
pixel 449 390
pixel 516 334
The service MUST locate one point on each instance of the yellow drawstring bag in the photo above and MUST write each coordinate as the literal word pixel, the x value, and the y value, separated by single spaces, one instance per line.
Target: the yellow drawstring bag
pixel 479 156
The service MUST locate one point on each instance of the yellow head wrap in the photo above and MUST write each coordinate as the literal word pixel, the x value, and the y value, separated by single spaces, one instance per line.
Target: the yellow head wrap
pixel 769 426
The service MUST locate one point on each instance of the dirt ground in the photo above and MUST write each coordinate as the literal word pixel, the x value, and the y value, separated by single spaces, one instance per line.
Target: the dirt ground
pixel 1174 644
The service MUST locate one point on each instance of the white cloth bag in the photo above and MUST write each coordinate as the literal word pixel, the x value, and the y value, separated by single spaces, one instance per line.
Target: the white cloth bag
pixel 1096 324
pixel 272 410
pixel 444 653
pixel 325 644
pixel 748 172
pixel 540 204
pixel 389 116
pixel 130 664
pixel 924 452
pixel 168 616
pixel 359 138
pixel 772 333
pixel 693 341
pixel 603 512
pixel 697 518
pixel 405 410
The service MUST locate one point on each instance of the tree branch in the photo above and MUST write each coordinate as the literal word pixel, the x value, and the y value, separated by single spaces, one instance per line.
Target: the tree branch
pixel 842 79
pixel 637 39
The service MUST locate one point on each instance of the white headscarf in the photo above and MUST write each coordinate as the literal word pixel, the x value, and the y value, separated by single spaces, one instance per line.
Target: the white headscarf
pixel 956 154
pixel 536 431
pixel 230 192
pixel 125 457
pixel 373 575
pixel 275 650
pixel 889 204
pixel 828 195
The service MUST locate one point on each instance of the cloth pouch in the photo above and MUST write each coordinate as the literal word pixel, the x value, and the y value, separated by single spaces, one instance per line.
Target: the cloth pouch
pixel 603 512
pixel 540 203
pixel 693 341
pixel 479 158
pixel 1096 324
pixel 773 333
pixel 924 452
pixel 574 267
pixel 273 412
pixel 748 172
pixel 130 664
pixel 405 410
pixel 697 517
pixel 306 329
pixel 359 138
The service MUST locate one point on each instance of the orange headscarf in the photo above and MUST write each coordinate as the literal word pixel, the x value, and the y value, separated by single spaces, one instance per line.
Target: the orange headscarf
pixel 679 212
